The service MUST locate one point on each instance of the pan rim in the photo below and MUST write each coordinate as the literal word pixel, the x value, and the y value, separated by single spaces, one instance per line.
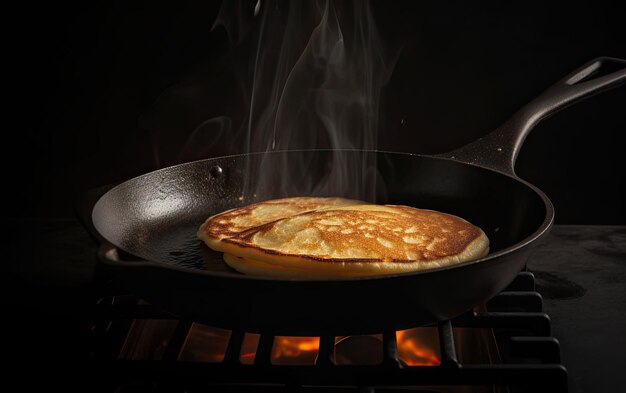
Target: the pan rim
pixel 108 246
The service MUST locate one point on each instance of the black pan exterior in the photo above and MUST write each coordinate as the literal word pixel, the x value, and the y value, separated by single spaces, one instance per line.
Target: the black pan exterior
pixel 156 216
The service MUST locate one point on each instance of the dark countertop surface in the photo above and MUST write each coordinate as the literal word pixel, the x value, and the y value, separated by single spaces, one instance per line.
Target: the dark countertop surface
pixel 47 289
pixel 581 274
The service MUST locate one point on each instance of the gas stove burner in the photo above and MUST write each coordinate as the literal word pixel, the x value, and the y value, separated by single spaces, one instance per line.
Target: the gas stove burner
pixel 503 346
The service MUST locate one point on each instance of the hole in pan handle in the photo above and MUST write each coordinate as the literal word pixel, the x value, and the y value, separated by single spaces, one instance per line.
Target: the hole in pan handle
pixel 499 149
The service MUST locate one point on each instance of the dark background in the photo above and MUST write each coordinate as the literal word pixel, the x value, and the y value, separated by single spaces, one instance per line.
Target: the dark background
pixel 82 77
pixel 87 73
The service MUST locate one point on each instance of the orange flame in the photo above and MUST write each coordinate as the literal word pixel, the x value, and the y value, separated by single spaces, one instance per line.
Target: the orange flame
pixel 204 344
pixel 295 350
pixel 418 347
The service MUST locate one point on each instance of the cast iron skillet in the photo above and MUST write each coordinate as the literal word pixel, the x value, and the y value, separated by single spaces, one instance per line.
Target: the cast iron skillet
pixel 155 217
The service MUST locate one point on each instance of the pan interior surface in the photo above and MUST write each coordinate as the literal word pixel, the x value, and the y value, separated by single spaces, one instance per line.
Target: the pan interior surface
pixel 156 216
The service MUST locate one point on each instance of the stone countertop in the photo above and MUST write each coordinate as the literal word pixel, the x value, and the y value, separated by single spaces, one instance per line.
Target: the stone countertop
pixel 580 271
pixel 581 274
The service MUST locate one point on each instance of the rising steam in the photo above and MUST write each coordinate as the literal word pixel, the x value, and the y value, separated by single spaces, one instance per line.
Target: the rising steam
pixel 318 72
pixel 299 75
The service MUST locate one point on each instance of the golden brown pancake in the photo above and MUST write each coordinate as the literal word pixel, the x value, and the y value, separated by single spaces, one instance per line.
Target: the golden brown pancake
pixel 232 222
pixel 357 240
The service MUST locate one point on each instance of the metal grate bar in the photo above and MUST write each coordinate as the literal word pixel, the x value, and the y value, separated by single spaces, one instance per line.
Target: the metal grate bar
pixel 390 349
pixel 233 350
pixel 545 349
pixel 264 350
pixel 533 377
pixel 446 345
pixel 177 340
pixel 533 323
pixel 326 351
pixel 516 301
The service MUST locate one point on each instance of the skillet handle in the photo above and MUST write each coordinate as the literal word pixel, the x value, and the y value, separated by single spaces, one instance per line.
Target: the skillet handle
pixel 499 149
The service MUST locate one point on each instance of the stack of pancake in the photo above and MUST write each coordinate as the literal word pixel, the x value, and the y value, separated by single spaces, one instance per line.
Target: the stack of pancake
pixel 311 237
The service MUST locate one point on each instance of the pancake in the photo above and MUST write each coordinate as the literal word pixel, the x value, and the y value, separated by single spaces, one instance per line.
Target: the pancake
pixel 356 240
pixel 235 221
